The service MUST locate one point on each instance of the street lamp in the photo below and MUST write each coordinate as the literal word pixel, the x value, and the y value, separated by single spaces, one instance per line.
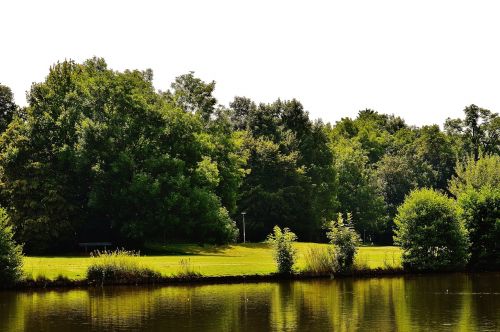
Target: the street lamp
pixel 244 235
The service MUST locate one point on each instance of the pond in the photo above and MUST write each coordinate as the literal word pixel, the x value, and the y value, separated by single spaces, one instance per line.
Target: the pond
pixel 451 302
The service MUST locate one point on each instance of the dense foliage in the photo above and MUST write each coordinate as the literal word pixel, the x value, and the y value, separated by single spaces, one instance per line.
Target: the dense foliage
pixel 345 241
pixel 429 231
pixel 473 175
pixel 7 107
pixel 283 250
pixel 10 253
pixel 291 179
pixel 481 214
pixel 100 155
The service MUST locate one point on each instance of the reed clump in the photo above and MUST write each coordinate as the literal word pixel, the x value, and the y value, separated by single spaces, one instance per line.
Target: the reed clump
pixel 186 270
pixel 320 261
pixel 119 267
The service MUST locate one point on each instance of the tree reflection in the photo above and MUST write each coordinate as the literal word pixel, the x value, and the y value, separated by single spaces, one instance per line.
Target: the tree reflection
pixel 433 302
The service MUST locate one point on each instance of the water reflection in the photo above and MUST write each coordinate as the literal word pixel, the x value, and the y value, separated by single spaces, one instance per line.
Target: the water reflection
pixel 458 302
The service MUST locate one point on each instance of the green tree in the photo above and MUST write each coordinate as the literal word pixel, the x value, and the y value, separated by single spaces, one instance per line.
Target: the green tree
pixel 480 210
pixel 356 188
pixel 11 259
pixel 274 190
pixel 477 134
pixel 7 107
pixel 229 154
pixel 102 156
pixel 473 174
pixel 291 177
pixel 283 250
pixel 193 95
pixel 372 130
pixel 397 175
pixel 241 108
pixel 429 232
pixel 434 148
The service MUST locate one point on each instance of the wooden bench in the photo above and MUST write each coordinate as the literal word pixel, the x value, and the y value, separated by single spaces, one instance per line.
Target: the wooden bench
pixel 87 245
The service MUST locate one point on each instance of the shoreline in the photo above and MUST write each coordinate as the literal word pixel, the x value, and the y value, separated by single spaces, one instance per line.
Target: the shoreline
pixel 63 283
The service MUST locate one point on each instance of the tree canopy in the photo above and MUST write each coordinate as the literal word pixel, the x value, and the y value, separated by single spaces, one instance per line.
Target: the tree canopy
pixel 100 155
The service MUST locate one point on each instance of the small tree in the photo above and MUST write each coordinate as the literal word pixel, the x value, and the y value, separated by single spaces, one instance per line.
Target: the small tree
pixel 480 211
pixel 345 239
pixel 10 252
pixel 430 233
pixel 284 252
pixel 475 174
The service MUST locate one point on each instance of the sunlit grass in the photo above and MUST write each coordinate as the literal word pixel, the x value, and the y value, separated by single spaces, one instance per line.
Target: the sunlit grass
pixel 241 259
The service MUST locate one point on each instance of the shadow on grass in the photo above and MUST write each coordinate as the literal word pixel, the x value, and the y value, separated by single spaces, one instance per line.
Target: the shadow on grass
pixel 156 249
pixel 196 250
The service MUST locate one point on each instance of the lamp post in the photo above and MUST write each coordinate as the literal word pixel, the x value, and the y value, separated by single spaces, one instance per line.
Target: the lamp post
pixel 244 234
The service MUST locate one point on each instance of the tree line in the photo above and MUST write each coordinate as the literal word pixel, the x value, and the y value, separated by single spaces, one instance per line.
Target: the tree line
pixel 99 154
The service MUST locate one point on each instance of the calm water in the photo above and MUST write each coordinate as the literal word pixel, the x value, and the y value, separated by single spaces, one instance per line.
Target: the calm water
pixel 456 302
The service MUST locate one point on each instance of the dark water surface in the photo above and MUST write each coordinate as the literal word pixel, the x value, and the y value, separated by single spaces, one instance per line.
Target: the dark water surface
pixel 457 302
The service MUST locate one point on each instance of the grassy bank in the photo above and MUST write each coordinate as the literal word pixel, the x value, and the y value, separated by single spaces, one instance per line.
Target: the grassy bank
pixel 210 261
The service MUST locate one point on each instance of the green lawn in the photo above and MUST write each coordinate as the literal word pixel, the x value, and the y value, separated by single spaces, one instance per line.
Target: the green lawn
pixel 248 259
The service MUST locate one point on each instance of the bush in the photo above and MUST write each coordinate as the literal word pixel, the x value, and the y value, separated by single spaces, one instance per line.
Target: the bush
pixel 284 252
pixel 119 266
pixel 430 233
pixel 11 258
pixel 320 261
pixel 345 240
pixel 480 211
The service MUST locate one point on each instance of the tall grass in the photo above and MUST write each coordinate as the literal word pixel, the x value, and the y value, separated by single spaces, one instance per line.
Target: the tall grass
pixel 320 261
pixel 361 264
pixel 119 266
pixel 186 270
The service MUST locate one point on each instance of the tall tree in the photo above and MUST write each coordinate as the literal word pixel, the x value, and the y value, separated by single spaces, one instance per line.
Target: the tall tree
pixel 478 133
pixel 241 108
pixel 291 176
pixel 356 188
pixel 193 95
pixel 7 107
pixel 399 174
pixel 374 131
pixel 434 148
pixel 474 175
pixel 101 156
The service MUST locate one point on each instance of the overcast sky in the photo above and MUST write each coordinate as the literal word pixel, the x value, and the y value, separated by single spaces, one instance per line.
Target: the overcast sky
pixel 422 60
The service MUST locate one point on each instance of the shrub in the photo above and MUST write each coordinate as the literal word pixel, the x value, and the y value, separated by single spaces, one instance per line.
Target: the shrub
pixel 119 266
pixel 480 211
pixel 345 240
pixel 320 261
pixel 11 258
pixel 284 252
pixel 430 233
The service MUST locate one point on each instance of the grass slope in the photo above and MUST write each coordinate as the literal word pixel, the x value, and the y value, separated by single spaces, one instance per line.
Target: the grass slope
pixel 240 259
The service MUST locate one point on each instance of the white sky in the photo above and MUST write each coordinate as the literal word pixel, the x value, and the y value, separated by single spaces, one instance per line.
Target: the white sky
pixel 422 60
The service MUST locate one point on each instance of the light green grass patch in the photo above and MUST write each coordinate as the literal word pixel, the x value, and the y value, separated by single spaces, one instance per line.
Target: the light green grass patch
pixel 240 259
